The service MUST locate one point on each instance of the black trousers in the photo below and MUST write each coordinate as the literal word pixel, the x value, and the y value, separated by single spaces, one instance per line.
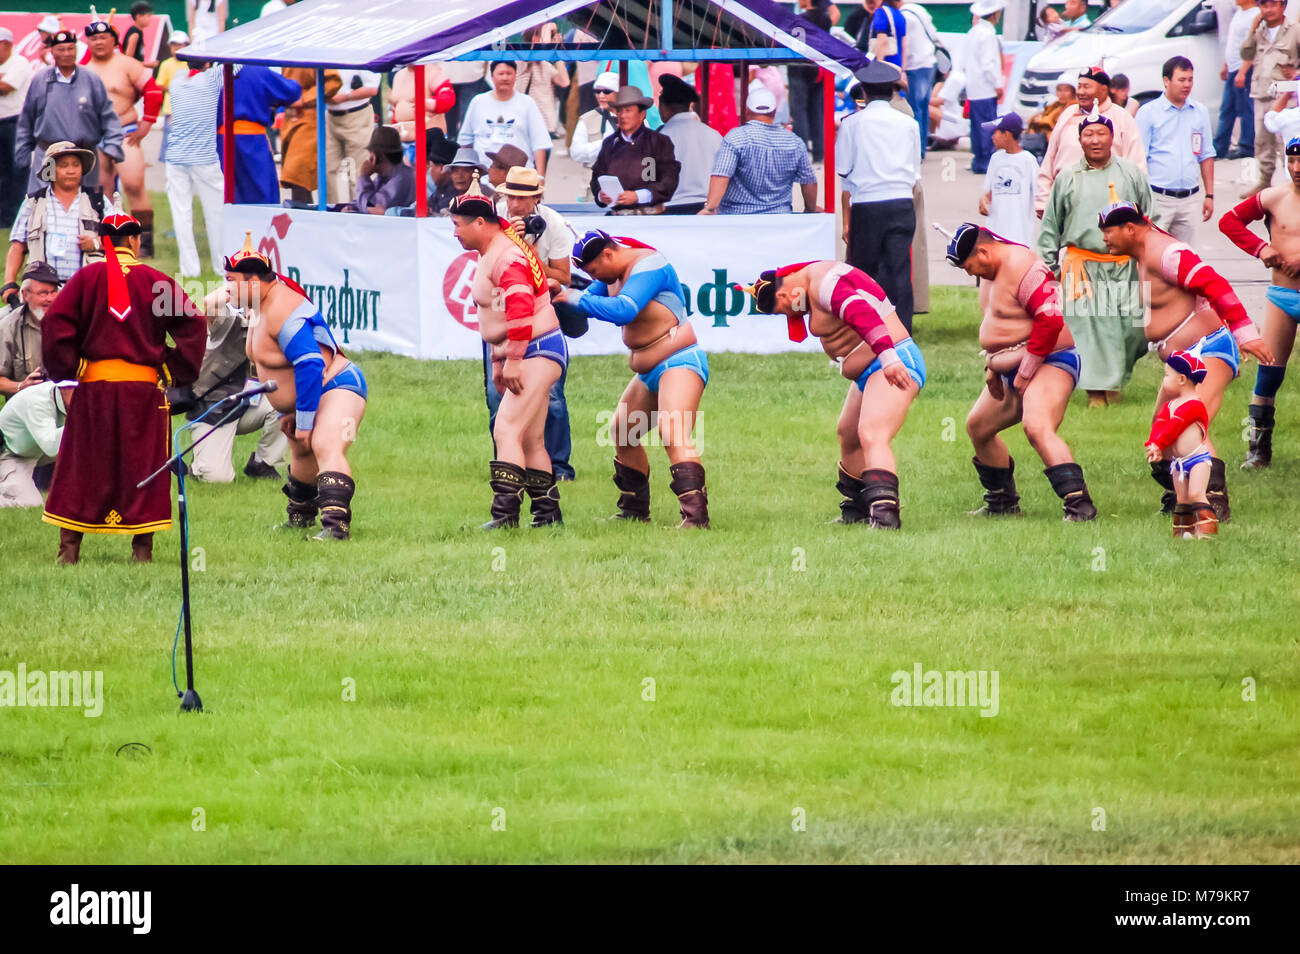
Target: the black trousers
pixel 880 243
pixel 685 208
pixel 806 108
pixel 11 189
pixel 464 93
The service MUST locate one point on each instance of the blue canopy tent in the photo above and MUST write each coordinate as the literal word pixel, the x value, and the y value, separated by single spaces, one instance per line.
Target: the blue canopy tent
pixel 387 34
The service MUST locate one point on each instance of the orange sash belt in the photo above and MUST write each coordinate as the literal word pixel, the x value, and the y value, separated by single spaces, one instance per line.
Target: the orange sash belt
pixel 244 127
pixel 1072 266
pixel 115 369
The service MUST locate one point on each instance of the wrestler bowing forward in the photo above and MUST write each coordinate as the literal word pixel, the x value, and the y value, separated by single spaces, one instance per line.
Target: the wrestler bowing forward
pixel 320 392
pixel 1191 307
pixel 528 354
pixel 1031 369
pixel 636 288
pixel 867 343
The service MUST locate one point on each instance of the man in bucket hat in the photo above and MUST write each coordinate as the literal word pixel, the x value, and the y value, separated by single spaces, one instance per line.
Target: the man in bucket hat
pixel 58 223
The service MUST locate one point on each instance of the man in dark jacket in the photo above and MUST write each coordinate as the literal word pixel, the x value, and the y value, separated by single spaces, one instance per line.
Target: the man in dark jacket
pixel 641 159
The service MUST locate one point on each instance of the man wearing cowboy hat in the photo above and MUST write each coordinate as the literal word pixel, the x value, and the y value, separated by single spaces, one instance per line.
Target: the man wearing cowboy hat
pixel 519 202
pixel 642 160
pixel 385 180
pixel 502 161
pixel 60 223
pixel 66 104
pixel 595 124
pixel 983 65
pixel 461 172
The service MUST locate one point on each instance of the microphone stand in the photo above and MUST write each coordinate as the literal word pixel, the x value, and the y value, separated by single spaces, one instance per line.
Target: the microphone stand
pixel 190 701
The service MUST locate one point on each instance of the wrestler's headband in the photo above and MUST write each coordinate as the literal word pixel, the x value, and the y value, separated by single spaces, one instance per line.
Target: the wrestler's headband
pixel 248 260
pixel 1120 213
pixel 962 244
pixel 473 203
pixel 590 245
pixel 1293 146
pixel 1188 364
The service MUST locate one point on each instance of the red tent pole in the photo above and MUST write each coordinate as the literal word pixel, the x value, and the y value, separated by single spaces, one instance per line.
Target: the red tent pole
pixel 828 138
pixel 228 131
pixel 421 160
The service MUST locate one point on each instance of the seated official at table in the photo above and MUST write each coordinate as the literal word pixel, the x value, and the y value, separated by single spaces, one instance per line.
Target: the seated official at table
pixel 385 179
pixel 642 160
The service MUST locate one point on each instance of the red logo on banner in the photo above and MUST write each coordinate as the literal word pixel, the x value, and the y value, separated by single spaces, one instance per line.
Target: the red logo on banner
pixel 457 290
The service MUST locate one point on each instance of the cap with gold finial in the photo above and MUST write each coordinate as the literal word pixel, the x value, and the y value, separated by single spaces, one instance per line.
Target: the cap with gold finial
pixel 248 260
pixel 1119 212
pixel 473 203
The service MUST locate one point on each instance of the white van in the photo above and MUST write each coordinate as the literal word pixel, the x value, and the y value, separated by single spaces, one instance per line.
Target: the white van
pixel 1135 38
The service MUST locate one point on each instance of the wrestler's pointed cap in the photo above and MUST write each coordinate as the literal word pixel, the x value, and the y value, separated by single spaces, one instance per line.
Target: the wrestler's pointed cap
pixel 97 26
pixel 1188 364
pixel 962 244
pixel 118 225
pixel 1293 146
pixel 115 227
pixel 763 291
pixel 248 260
pixel 473 203
pixel 1095 118
pixel 1119 213
pixel 590 245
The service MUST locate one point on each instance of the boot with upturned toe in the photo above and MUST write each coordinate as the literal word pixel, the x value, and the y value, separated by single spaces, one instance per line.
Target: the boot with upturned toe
pixel 1216 491
pixel 334 492
pixel 999 483
pixel 142 548
pixel 851 507
pixel 692 496
pixel 1067 480
pixel 881 500
pixel 69 546
pixel 507 483
pixel 1259 450
pixel 302 507
pixel 544 497
pixel 1161 475
pixel 634 493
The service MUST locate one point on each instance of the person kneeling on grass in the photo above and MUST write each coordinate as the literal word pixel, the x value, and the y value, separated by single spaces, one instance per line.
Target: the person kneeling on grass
pixel 528 354
pixel 859 329
pixel 1030 371
pixel 1182 426
pixel 290 343
pixel 637 288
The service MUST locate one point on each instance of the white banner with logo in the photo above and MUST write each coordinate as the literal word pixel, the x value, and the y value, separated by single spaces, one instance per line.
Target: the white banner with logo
pixel 402 284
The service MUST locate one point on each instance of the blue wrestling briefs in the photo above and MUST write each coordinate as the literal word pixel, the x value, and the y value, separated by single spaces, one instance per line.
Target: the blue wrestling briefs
pixel 692 357
pixel 909 354
pixel 1222 345
pixel 1288 299
pixel 349 379
pixel 1067 359
pixel 1181 467
pixel 550 345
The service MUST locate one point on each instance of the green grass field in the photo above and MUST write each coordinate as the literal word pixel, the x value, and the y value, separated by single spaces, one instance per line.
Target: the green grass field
pixel 502 677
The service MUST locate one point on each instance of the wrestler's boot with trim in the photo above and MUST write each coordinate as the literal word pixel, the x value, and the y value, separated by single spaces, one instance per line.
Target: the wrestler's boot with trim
pixel 1184 521
pixel 1161 475
pixel 1216 491
pixel 1067 480
pixel 69 546
pixel 851 509
pixel 142 548
pixel 999 483
pixel 634 493
pixel 544 497
pixel 1205 520
pixel 880 498
pixel 334 492
pixel 1259 452
pixel 692 495
pixel 302 508
pixel 507 483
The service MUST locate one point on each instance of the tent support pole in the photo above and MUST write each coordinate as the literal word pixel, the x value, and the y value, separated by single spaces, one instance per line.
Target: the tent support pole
pixel 421 159
pixel 228 130
pixel 828 139
pixel 321 121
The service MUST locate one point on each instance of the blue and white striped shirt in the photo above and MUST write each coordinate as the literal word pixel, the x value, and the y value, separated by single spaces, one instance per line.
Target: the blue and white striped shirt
pixel 192 138
pixel 763 162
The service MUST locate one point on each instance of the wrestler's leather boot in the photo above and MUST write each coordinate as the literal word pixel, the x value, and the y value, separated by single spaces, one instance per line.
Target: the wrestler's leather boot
pixel 1206 521
pixel 999 483
pixel 142 548
pixel 692 495
pixel 146 233
pixel 1184 521
pixel 1067 480
pixel 69 546
pixel 334 492
pixel 851 507
pixel 544 496
pixel 507 483
pixel 1259 452
pixel 1216 491
pixel 634 493
pixel 302 507
pixel 880 498
pixel 1161 475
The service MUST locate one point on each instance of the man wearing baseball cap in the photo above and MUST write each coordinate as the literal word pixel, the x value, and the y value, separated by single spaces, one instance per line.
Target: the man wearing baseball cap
pixel 1008 198
pixel 595 124
pixel 20 330
pixel 759 163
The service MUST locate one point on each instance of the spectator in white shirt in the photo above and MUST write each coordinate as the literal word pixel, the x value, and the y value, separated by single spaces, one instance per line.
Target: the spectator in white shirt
pixel 207 18
pixel 918 63
pixel 595 124
pixel 15 76
pixel 504 117
pixel 695 144
pixel 31 428
pixel 983 66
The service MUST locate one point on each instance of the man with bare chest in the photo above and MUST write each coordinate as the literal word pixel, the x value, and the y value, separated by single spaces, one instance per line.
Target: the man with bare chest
pixel 1279 207
pixel 1190 307
pixel 867 343
pixel 127 81
pixel 637 289
pixel 1031 369
pixel 320 392
pixel 528 354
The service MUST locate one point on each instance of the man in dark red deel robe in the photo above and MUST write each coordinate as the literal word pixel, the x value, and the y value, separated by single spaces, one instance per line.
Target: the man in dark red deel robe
pixel 108 328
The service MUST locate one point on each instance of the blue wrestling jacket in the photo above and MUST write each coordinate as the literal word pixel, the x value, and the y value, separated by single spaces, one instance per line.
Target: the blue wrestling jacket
pixel 301 337
pixel 651 279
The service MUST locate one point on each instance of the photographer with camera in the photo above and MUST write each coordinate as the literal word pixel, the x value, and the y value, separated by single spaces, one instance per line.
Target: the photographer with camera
pixel 519 202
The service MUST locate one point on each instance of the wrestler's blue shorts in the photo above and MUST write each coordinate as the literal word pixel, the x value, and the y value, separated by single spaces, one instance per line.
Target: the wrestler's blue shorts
pixel 1222 345
pixel 349 379
pixel 692 357
pixel 909 354
pixel 1181 467
pixel 1067 359
pixel 1288 299
pixel 550 345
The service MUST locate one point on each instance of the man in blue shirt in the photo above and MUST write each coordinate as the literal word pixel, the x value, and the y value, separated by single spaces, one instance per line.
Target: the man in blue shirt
pixel 757 165
pixel 1177 135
